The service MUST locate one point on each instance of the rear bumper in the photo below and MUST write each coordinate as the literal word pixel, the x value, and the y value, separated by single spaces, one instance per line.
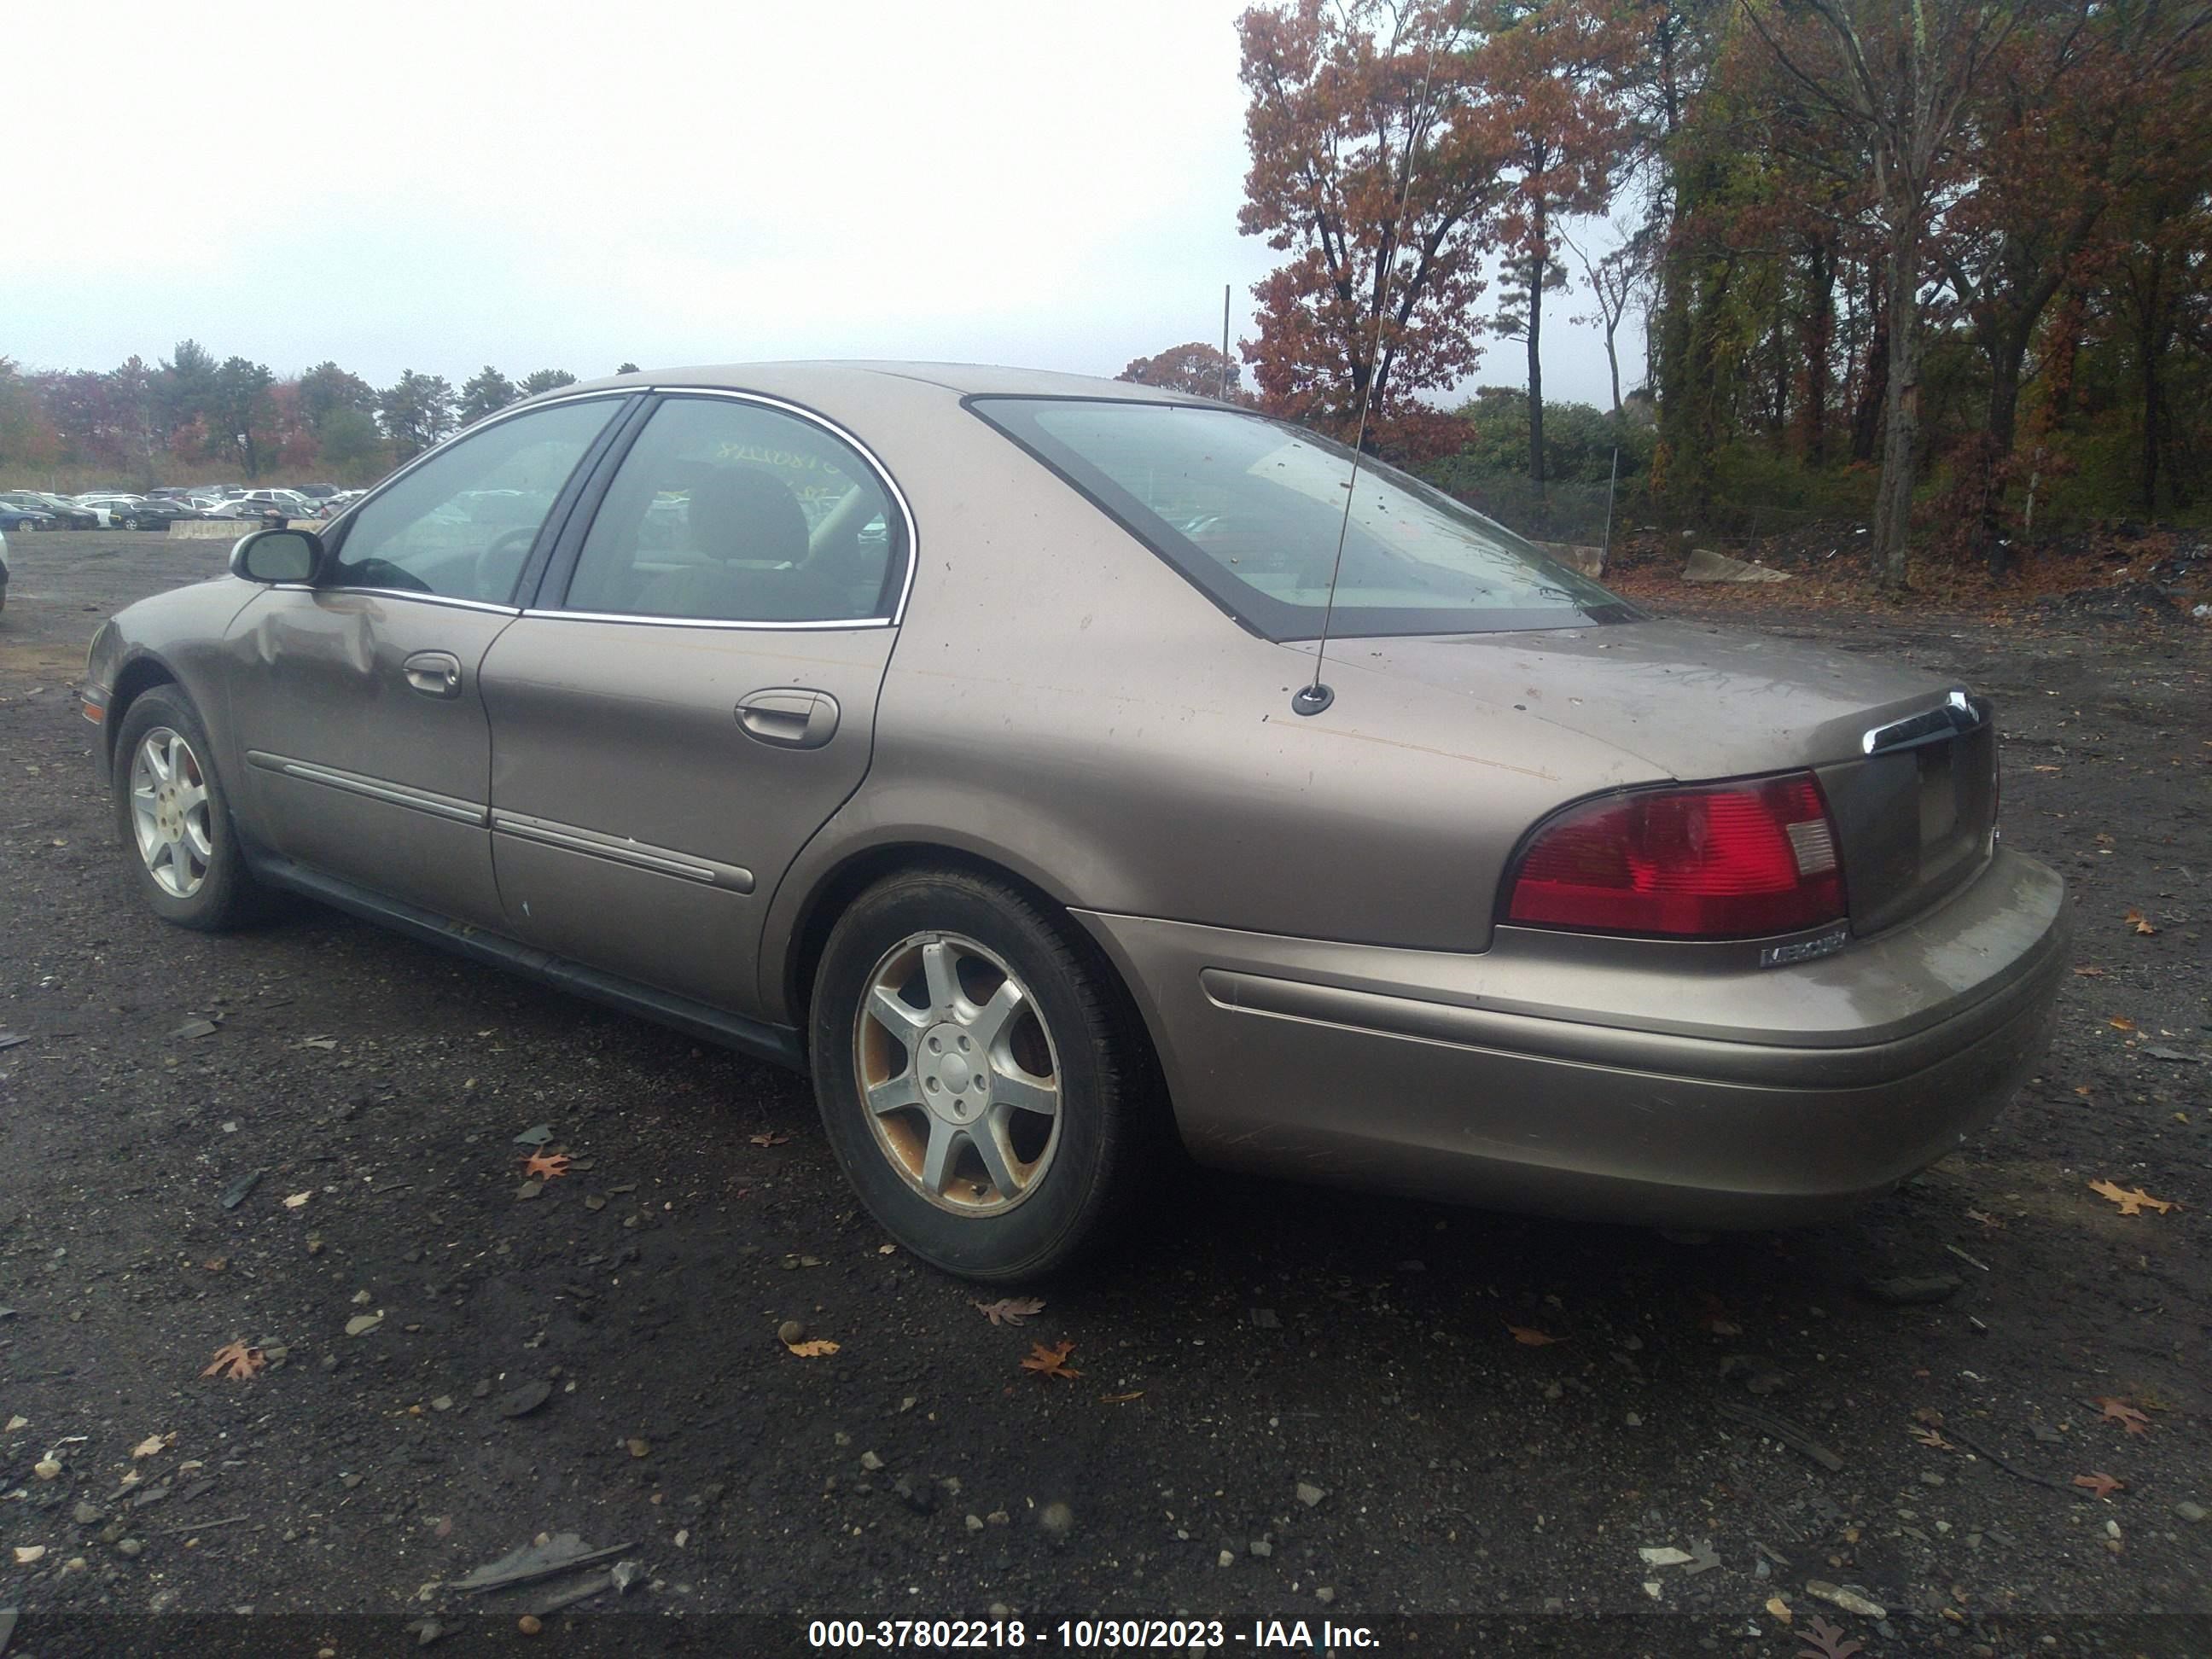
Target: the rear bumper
pixel 1613 1080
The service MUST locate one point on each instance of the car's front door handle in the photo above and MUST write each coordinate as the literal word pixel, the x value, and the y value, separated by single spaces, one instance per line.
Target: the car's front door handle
pixel 433 673
pixel 789 717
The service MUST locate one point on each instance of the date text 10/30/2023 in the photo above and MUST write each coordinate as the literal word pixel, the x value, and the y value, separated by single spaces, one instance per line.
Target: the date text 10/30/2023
pixel 1175 1635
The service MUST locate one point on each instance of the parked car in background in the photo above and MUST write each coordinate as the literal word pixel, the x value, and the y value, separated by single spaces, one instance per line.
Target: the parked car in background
pixel 139 511
pixel 318 491
pixel 12 517
pixel 68 515
pixel 265 503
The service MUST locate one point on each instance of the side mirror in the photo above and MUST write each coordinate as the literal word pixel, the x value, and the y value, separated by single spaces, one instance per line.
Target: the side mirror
pixel 278 555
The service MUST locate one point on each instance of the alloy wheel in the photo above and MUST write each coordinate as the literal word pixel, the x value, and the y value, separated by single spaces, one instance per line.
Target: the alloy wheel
pixel 957 1073
pixel 169 812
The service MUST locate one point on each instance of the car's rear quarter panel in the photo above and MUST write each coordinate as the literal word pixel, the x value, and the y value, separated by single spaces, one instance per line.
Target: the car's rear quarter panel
pixel 1062 703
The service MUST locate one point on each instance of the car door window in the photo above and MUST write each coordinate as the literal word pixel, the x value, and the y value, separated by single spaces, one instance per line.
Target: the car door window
pixel 728 511
pixel 460 525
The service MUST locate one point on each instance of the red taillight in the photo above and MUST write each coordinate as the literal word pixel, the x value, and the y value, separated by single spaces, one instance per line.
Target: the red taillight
pixel 1720 860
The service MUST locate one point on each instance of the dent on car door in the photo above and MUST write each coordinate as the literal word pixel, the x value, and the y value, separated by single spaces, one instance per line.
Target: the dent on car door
pixel 357 712
pixel 695 695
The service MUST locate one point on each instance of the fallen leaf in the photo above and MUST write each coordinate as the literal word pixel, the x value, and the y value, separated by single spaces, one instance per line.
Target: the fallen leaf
pixel 1988 1221
pixel 2140 922
pixel 1050 1361
pixel 2099 1485
pixel 15 1422
pixel 2088 972
pixel 1778 1608
pixel 1934 1441
pixel 2047 768
pixel 544 1166
pixel 813 1350
pixel 768 1138
pixel 153 1444
pixel 1531 1338
pixel 298 1200
pixel 1120 1398
pixel 2121 1022
pixel 2119 1412
pixel 1009 1310
pixel 1828 1642
pixel 2130 1203
pixel 638 1447
pixel 236 1360
pixel 26 1554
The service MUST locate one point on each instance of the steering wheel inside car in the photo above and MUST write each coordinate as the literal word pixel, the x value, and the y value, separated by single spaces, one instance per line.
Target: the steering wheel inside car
pixel 500 564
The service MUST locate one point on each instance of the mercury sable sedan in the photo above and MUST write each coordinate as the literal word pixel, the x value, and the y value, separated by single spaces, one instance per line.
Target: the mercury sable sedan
pixel 963 737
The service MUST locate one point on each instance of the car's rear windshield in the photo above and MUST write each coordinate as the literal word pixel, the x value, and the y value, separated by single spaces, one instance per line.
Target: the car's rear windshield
pixel 1249 510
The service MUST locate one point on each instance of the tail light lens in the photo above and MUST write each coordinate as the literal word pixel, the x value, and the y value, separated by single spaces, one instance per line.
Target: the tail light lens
pixel 1718 862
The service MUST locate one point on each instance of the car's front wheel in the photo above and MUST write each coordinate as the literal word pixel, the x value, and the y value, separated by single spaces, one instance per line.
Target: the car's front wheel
pixel 979 1074
pixel 171 813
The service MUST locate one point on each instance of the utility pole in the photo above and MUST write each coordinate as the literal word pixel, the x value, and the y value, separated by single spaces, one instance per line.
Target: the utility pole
pixel 1224 343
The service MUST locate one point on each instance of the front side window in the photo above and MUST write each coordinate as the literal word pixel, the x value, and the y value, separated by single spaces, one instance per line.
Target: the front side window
pixel 1249 510
pixel 460 525
pixel 726 511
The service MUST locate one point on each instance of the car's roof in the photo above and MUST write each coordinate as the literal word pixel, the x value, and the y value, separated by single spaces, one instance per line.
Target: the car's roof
pixel 801 379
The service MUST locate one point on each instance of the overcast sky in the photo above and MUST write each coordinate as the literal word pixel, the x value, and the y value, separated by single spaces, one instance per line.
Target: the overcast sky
pixel 561 184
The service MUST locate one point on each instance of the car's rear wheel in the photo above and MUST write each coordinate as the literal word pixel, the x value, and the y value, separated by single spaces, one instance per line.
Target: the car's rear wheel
pixel 129 522
pixel 977 1073
pixel 171 814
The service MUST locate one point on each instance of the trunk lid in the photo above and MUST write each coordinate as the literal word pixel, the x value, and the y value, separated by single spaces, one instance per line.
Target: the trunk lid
pixel 1907 761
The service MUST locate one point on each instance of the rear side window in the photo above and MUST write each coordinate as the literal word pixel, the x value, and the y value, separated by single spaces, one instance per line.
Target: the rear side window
pixel 1249 510
pixel 730 511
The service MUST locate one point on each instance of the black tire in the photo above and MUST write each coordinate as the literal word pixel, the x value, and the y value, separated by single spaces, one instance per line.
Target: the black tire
pixel 130 523
pixel 1102 1070
pixel 227 896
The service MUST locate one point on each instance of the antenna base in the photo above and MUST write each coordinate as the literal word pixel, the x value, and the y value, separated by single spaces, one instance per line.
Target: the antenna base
pixel 1311 699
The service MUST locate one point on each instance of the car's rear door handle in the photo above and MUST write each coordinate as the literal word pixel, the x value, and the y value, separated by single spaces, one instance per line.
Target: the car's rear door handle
pixel 433 673
pixel 789 717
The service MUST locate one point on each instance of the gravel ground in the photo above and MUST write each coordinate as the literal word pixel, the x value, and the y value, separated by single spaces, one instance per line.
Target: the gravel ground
pixel 1293 1404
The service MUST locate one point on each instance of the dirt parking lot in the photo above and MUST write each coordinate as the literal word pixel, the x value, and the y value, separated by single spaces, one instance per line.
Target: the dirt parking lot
pixel 1293 1404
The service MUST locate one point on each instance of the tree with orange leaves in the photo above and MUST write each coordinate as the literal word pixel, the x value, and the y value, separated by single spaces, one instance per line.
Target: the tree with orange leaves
pixel 1374 168
pixel 1551 67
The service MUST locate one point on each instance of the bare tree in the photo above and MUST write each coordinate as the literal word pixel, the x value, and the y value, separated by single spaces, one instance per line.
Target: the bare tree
pixel 1617 280
pixel 1900 72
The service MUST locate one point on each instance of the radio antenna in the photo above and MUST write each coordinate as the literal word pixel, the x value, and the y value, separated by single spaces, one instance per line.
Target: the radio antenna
pixel 1312 698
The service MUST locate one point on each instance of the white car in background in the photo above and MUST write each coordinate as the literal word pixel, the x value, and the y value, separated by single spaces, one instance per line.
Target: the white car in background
pixel 256 503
